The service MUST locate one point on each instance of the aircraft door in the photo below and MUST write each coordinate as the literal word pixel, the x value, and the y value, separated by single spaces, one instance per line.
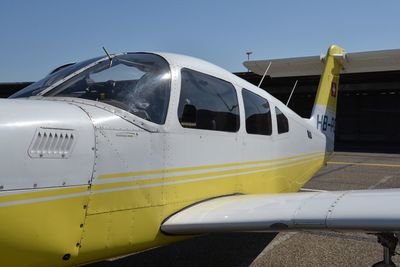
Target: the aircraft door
pixel 202 153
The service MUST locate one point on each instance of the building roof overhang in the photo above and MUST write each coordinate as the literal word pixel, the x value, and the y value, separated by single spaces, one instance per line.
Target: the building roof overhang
pixel 359 62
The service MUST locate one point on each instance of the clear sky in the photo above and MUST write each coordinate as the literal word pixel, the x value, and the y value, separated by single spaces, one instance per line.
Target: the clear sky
pixel 38 35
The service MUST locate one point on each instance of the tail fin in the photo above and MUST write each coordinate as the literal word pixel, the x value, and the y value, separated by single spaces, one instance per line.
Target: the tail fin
pixel 323 115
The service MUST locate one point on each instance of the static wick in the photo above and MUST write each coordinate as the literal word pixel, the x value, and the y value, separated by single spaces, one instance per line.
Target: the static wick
pixel 265 73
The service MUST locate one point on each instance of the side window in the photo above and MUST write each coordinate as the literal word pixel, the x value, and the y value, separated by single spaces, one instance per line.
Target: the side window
pixel 282 121
pixel 207 103
pixel 258 114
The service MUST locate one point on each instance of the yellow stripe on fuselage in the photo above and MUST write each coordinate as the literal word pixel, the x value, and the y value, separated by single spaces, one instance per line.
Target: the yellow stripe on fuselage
pixel 195 168
pixel 158 181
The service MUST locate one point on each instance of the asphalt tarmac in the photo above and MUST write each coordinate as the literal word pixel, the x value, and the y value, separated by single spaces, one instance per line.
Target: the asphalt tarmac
pixel 345 171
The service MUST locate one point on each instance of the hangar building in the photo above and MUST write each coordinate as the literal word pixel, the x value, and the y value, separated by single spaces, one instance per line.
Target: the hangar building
pixel 368 112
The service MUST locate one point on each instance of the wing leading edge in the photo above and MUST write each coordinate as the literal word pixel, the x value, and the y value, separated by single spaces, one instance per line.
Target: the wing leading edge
pixel 360 210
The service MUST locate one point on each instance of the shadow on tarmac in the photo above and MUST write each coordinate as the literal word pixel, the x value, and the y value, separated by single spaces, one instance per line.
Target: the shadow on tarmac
pixel 235 249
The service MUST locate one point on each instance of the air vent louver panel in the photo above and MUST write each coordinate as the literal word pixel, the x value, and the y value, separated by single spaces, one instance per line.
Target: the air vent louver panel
pixel 52 143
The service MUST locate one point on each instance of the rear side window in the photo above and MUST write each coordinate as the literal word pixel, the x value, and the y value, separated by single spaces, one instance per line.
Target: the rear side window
pixel 281 121
pixel 207 103
pixel 258 114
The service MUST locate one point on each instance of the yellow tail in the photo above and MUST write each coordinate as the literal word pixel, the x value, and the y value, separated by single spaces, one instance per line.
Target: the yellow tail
pixel 323 116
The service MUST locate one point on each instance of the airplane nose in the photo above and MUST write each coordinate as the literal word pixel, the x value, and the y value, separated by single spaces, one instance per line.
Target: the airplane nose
pixel 46 161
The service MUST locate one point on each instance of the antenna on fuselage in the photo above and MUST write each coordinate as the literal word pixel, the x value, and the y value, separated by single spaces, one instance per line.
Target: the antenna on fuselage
pixel 265 73
pixel 108 55
pixel 290 96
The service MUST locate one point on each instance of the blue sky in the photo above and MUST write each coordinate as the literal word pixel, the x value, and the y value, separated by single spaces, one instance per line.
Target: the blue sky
pixel 39 35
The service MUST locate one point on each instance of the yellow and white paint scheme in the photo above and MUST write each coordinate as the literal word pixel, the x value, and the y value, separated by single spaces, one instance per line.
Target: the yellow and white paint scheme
pixel 105 189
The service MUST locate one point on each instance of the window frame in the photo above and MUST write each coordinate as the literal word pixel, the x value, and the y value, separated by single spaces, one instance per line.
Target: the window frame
pixel 236 95
pixel 277 123
pixel 271 127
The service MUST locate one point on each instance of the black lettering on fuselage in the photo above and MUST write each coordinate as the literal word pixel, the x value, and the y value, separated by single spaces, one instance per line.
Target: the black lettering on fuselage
pixel 324 123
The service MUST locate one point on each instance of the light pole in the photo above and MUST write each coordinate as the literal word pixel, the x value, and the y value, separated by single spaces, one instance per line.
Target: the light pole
pixel 248 53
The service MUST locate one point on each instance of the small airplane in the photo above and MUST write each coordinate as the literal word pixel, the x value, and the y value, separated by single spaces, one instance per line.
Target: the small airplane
pixel 126 152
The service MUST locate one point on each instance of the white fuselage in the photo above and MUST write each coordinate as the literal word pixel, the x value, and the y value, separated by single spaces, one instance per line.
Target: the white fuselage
pixel 118 176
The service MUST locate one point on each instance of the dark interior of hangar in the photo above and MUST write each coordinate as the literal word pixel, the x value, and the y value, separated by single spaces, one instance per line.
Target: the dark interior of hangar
pixel 368 114
pixel 7 89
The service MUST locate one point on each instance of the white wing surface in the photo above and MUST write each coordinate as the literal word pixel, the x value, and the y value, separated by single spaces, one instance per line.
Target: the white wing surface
pixel 361 210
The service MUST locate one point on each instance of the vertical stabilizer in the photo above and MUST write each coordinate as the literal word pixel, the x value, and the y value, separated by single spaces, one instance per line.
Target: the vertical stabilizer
pixel 323 115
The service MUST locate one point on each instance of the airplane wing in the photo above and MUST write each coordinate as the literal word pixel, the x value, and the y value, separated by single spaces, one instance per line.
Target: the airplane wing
pixel 369 211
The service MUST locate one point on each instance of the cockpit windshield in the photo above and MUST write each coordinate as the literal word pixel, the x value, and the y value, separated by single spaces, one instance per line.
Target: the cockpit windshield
pixel 36 88
pixel 139 83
